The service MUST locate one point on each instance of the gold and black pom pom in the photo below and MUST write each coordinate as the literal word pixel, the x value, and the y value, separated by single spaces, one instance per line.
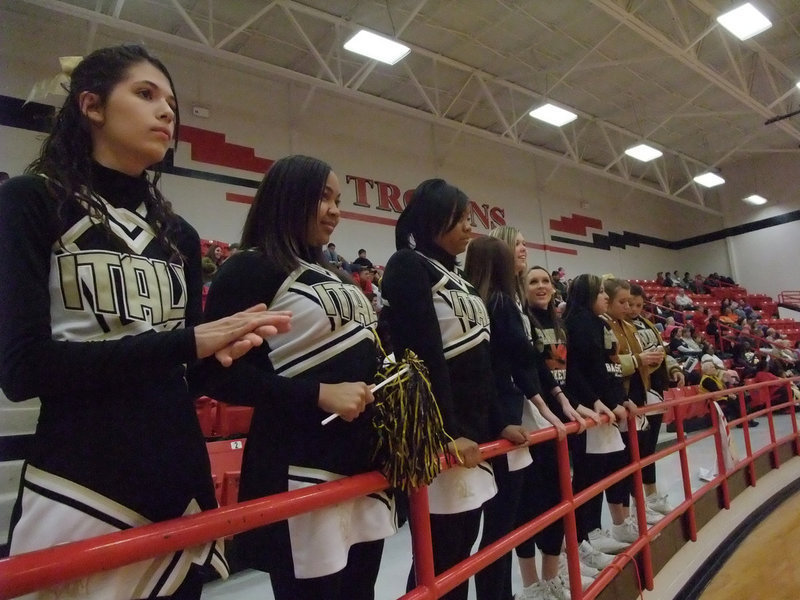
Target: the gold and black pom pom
pixel 409 427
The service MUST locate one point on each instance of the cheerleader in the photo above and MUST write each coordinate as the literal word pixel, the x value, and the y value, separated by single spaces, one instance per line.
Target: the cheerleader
pixel 99 317
pixel 549 338
pixel 433 311
pixel 635 365
pixel 490 268
pixel 650 339
pixel 594 378
pixel 324 364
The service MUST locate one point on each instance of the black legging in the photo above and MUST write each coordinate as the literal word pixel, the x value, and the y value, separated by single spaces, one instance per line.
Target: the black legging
pixel 500 518
pixel 540 494
pixel 588 469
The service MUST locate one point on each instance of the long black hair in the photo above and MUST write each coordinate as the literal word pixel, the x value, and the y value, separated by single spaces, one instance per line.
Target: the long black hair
pixel 435 207
pixel 583 292
pixel 66 154
pixel 287 200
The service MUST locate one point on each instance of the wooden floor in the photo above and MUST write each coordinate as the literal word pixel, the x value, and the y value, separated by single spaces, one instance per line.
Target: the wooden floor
pixel 764 566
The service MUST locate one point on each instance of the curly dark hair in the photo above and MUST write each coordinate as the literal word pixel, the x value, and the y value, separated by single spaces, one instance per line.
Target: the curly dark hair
pixel 66 154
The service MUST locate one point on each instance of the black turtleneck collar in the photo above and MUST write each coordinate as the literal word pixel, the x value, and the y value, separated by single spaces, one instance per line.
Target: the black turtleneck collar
pixel 437 253
pixel 117 188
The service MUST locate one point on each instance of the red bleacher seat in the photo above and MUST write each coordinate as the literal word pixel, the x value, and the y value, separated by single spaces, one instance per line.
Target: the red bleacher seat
pixel 226 464
pixel 232 420
pixel 206 409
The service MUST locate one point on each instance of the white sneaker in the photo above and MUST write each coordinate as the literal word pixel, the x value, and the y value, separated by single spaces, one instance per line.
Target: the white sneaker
pixel 557 588
pixel 535 591
pixel 586 570
pixel 658 503
pixel 592 557
pixel 605 542
pixel 652 517
pixel 626 532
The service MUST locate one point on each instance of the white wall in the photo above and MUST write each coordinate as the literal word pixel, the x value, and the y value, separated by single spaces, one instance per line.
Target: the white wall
pixel 767 259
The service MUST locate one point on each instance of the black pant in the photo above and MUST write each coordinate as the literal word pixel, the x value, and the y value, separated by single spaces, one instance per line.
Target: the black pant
pixel 453 537
pixel 355 581
pixel 588 469
pixel 500 518
pixel 540 494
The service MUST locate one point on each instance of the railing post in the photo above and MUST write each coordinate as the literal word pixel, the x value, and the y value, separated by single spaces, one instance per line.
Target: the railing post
pixel 421 539
pixel 776 461
pixel 638 496
pixel 691 521
pixel 722 471
pixel 570 525
pixel 751 468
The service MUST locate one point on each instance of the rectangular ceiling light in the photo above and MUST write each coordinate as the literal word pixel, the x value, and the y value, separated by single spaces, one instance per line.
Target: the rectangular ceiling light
pixel 550 113
pixel 643 152
pixel 755 199
pixel 376 47
pixel 709 179
pixel 744 22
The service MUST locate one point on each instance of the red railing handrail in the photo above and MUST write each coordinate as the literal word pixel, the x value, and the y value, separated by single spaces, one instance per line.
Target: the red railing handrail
pixel 27 572
pixel 789 297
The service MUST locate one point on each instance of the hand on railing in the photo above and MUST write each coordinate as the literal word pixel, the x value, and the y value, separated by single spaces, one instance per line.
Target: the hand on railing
pixel 466 452
pixel 588 413
pixel 574 415
pixel 516 434
pixel 602 409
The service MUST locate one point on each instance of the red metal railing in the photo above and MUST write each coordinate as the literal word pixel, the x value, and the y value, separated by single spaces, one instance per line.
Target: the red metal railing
pixel 44 568
pixel 789 297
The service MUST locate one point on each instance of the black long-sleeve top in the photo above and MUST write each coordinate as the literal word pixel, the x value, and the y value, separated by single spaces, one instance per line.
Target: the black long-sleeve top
pixel 331 340
pixel 94 325
pixel 593 372
pixel 438 315
pixel 513 361
pixel 551 356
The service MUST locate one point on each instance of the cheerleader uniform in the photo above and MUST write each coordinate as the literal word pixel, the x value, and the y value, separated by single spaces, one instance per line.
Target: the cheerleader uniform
pixel 437 314
pixel 515 376
pixel 95 324
pixel 594 372
pixel 650 339
pixel 636 380
pixel 332 552
pixel 542 491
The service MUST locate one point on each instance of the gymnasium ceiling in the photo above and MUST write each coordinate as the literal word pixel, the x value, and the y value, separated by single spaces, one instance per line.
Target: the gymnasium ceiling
pixel 660 71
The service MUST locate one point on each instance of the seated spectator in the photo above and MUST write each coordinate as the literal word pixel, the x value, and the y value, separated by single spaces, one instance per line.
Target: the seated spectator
pixel 366 275
pixel 687 280
pixel 698 285
pixel 215 254
pixel 668 282
pixel 336 261
pixel 726 316
pixel 743 358
pixel 715 379
pixel 668 302
pixel 764 372
pixel 362 259
pixel 712 328
pixel 559 285
pixel 660 278
pixel 683 301
pixel 681 345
